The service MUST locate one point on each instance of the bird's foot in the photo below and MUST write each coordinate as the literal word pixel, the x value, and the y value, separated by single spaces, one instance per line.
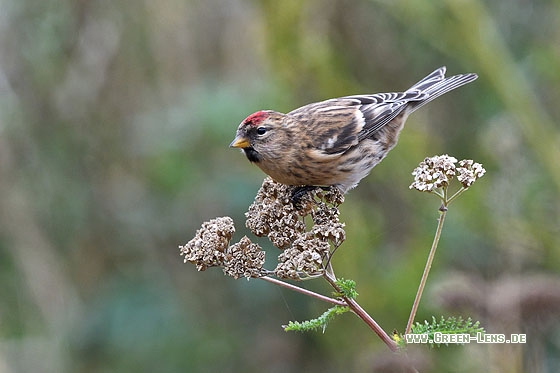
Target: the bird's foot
pixel 301 191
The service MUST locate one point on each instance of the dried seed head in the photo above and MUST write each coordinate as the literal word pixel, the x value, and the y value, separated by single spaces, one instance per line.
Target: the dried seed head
pixel 469 171
pixel 209 244
pixel 434 172
pixel 244 259
pixel 327 226
pixel 332 196
pixel 272 214
pixel 303 258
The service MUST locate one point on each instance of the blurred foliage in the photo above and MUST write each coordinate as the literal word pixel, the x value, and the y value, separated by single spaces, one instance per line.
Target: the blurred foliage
pixel 115 118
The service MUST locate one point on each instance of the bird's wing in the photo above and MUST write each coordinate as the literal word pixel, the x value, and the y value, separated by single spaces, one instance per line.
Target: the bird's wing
pixel 379 109
pixel 331 126
pixel 336 125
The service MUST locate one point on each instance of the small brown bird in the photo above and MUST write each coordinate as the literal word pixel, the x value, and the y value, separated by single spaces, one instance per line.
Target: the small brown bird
pixel 338 141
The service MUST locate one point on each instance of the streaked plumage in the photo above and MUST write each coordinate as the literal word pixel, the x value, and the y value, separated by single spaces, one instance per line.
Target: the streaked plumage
pixel 337 141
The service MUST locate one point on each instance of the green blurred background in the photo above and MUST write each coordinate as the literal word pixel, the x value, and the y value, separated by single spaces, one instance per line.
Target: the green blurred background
pixel 115 120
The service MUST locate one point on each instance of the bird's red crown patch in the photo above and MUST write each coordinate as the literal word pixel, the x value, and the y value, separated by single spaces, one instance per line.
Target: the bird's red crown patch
pixel 256 118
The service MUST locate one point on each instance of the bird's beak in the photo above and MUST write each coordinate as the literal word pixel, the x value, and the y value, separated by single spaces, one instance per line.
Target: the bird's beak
pixel 240 142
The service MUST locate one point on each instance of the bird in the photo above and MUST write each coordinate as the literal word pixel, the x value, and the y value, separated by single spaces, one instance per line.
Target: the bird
pixel 336 142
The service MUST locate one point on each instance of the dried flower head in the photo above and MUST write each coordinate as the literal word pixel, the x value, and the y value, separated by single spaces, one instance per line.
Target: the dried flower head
pixel 327 226
pixel 208 247
pixel 438 171
pixel 272 214
pixel 332 196
pixel 469 171
pixel 244 259
pixel 304 258
pixel 434 172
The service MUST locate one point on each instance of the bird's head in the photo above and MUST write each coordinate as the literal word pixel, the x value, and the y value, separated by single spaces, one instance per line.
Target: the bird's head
pixel 257 134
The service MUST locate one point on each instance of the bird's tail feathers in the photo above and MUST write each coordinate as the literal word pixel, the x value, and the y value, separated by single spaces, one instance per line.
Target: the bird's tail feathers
pixel 436 84
pixel 436 76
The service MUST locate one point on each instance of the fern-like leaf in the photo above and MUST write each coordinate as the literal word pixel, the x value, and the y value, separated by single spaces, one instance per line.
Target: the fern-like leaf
pixel 347 288
pixel 318 323
pixel 451 325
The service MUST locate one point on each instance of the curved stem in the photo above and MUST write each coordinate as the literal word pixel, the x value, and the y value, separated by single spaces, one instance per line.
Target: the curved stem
pixel 457 194
pixel 362 314
pixel 304 291
pixel 431 255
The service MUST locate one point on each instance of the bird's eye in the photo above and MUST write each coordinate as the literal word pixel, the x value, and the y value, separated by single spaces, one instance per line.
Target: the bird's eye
pixel 261 131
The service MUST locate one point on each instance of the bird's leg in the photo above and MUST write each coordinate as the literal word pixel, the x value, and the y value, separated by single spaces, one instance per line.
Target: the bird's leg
pixel 300 191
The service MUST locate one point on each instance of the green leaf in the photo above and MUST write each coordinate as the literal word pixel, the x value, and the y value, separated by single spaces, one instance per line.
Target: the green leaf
pixel 318 323
pixel 451 325
pixel 347 288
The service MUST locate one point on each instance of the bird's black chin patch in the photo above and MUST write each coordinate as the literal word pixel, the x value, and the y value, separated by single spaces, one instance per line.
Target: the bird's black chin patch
pixel 252 155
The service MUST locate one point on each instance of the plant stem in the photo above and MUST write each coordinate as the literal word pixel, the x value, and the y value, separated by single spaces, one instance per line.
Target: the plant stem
pixel 431 255
pixel 459 192
pixel 362 314
pixel 304 291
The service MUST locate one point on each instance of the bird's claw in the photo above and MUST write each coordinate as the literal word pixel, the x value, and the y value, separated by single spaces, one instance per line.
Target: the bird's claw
pixel 301 191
